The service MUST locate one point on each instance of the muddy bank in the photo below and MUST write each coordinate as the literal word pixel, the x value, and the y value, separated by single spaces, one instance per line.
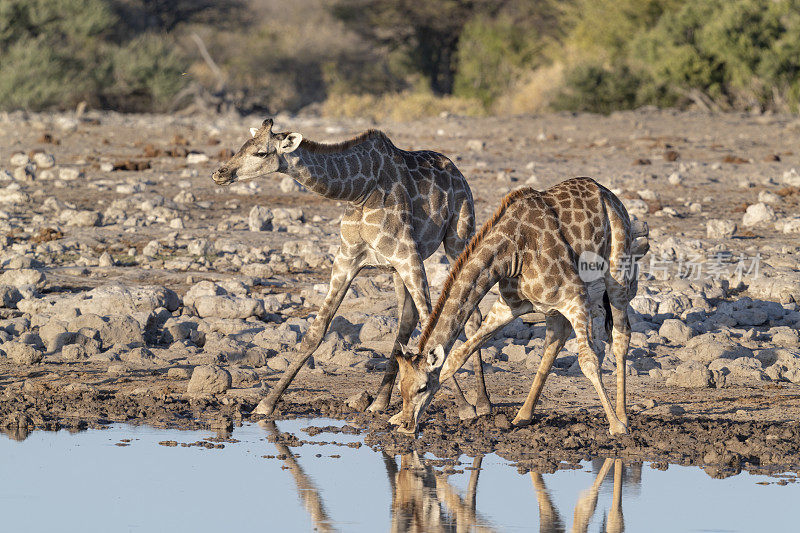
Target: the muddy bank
pixel 723 446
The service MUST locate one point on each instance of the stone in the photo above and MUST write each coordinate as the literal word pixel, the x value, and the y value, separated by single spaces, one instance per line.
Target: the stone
pixel 675 331
pixel 260 218
pixel 707 347
pixel 44 160
pixel 475 145
pixel 140 355
pixel 515 353
pixel 691 374
pixel 675 179
pixel 378 328
pixel 226 306
pixel 359 402
pixel 70 173
pixel 759 213
pixel 744 371
pixel 21 353
pixel 121 331
pixel 791 178
pixel 9 296
pixel 198 247
pixel 209 379
pixel 178 372
pixel 196 158
pixel 784 287
pixel 19 159
pixel 127 300
pixel 23 277
pixel 152 249
pixel 288 185
pixel 243 377
pixel 636 206
pixel 720 228
pixel 768 197
pixel 105 260
pixel 55 336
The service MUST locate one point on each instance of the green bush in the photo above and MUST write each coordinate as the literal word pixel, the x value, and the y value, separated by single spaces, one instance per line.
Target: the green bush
pixel 591 87
pixel 56 53
pixel 741 53
pixel 147 73
pixel 492 53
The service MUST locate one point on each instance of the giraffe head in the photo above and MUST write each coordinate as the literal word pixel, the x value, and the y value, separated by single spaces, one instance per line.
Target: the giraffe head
pixel 419 381
pixel 259 156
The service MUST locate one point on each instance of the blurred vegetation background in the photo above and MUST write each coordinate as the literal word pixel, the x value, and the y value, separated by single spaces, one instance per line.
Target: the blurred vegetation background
pixel 399 59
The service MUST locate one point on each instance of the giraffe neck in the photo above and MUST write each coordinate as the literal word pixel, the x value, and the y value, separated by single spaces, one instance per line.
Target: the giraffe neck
pixel 482 269
pixel 350 174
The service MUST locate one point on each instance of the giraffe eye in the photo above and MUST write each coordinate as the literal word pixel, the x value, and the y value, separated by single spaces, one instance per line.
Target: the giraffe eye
pixel 422 389
pixel 261 154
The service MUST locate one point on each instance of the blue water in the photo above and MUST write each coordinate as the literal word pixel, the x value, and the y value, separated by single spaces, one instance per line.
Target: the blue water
pixel 86 482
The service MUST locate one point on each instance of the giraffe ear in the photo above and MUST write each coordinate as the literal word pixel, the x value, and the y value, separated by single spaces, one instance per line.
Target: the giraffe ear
pixel 436 357
pixel 253 132
pixel 290 143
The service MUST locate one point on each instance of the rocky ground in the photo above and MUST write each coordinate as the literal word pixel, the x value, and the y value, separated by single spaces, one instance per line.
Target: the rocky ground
pixel 134 289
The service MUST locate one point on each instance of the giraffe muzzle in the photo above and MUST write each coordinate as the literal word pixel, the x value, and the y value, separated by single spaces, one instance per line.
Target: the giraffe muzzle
pixel 223 177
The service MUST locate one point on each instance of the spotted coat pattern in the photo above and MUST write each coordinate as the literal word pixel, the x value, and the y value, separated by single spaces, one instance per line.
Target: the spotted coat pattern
pixel 531 248
pixel 400 206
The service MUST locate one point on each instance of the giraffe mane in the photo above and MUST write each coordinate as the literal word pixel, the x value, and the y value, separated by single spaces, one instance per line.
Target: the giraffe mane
pixel 461 261
pixel 330 148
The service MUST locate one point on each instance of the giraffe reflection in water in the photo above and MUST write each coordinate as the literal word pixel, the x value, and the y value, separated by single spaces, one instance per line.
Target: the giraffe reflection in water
pixel 423 500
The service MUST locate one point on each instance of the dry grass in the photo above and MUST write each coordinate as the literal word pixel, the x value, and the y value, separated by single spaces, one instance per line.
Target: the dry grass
pixel 399 107
pixel 533 93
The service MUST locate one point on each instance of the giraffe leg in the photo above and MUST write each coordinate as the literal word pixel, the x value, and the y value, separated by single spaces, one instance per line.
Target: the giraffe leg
pixel 558 329
pixel 345 268
pixel 577 313
pixel 621 338
pixel 408 317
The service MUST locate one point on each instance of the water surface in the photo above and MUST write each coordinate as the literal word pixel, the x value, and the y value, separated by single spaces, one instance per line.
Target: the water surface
pixel 121 479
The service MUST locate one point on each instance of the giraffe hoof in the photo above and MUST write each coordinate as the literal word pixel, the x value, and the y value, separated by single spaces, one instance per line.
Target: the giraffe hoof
pixel 520 422
pixel 618 429
pixel 397 419
pixel 483 409
pixel 467 413
pixel 377 405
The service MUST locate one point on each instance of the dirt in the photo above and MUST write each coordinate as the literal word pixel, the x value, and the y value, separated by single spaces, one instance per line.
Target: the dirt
pixel 753 427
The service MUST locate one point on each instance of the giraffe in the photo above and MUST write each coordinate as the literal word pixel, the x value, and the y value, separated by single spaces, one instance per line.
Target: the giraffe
pixel 400 206
pixel 550 520
pixel 532 247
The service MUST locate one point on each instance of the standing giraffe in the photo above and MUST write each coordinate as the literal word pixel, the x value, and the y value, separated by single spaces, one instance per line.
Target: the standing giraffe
pixel 400 207
pixel 532 247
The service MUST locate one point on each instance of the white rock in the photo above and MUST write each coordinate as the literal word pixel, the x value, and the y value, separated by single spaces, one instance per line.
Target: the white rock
pixel 23 277
pixel 758 214
pixel 20 353
pixel 176 223
pixel 196 158
pixel 635 206
pixel 84 219
pixel 106 260
pixel 24 173
pixel 44 160
pixel 198 247
pixel 209 379
pixel 260 219
pixel 152 249
pixel 720 229
pixel 675 331
pixel 226 306
pixel 289 185
pixel 675 179
pixel 791 177
pixel 19 159
pixel 475 145
pixel 768 197
pixel 710 346
pixel 69 173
